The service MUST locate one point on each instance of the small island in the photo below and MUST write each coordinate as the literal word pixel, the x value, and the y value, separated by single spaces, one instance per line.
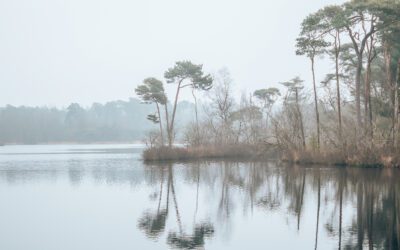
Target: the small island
pixel 350 117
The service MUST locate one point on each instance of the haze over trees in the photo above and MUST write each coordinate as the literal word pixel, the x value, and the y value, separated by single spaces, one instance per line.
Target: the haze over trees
pixel 356 106
pixel 351 115
pixel 117 121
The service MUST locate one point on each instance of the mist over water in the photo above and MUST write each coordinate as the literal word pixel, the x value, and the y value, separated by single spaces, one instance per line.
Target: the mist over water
pixel 104 197
pixel 183 124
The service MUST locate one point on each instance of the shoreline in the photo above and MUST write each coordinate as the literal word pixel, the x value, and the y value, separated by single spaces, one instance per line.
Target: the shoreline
pixel 73 143
pixel 250 153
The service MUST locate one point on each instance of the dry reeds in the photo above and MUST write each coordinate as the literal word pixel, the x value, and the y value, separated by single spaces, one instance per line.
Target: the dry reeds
pixel 204 152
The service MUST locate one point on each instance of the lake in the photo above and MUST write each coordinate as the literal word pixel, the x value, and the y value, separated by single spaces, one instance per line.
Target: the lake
pixel 105 197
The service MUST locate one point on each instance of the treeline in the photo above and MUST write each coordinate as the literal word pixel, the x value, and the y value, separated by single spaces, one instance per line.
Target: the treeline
pixel 356 106
pixel 351 116
pixel 116 121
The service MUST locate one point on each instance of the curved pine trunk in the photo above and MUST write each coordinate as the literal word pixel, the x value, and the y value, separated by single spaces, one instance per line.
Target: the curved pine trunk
pixel 160 121
pixel 316 103
pixel 337 51
pixel 171 128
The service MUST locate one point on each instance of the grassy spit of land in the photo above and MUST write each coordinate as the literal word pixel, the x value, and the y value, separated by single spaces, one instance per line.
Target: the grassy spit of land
pixel 252 152
pixel 242 151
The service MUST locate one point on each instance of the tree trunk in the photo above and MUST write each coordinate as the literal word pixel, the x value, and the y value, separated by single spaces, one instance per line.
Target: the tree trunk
pixel 397 103
pixel 358 89
pixel 367 92
pixel 171 128
pixel 197 118
pixel 265 108
pixel 359 52
pixel 337 51
pixel 394 112
pixel 168 126
pixel 316 103
pixel 390 84
pixel 161 127
pixel 301 119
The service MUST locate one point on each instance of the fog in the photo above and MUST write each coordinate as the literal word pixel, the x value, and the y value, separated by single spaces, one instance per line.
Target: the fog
pixel 55 52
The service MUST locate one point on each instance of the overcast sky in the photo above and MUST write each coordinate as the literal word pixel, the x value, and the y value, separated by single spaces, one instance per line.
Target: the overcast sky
pixel 55 52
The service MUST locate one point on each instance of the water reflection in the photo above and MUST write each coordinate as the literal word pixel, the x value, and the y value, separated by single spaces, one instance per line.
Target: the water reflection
pixel 191 241
pixel 370 196
pixel 153 223
pixel 211 205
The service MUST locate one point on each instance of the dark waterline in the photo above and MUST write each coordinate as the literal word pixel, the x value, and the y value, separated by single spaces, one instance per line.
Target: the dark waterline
pixel 104 197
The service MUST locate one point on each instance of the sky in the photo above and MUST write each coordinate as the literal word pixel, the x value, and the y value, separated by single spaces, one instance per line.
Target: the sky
pixel 55 52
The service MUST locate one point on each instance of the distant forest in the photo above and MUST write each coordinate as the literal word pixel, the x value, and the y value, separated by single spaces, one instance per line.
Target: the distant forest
pixel 116 121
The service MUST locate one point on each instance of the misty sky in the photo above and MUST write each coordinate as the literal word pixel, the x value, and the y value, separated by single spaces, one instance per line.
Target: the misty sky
pixel 55 52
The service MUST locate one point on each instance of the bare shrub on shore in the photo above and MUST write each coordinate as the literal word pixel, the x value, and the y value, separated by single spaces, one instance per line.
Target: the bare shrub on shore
pixel 152 139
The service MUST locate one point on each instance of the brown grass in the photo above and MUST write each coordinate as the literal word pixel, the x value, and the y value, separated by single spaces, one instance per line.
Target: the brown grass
pixel 204 152
pixel 360 159
pixel 313 157
pixel 253 152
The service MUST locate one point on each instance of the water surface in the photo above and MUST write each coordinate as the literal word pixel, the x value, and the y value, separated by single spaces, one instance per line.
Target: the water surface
pixel 104 197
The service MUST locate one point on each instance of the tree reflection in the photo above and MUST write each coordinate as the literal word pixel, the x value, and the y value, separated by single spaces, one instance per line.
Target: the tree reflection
pixel 153 224
pixel 294 182
pixel 195 240
pixel 333 192
pixel 318 207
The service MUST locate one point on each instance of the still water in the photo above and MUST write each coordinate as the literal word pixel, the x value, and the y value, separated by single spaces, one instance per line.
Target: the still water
pixel 104 197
